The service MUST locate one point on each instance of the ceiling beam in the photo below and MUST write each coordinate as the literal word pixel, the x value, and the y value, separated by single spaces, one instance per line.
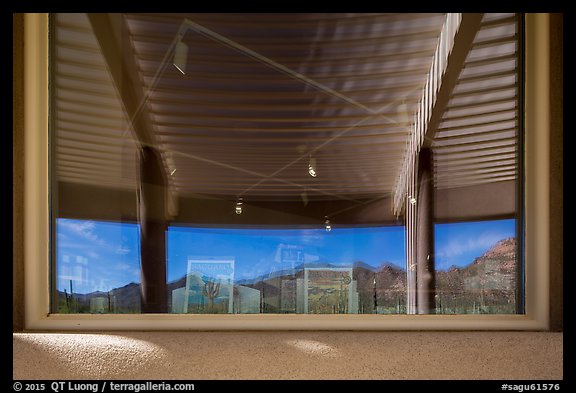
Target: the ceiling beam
pixel 113 36
pixel 122 67
pixel 454 44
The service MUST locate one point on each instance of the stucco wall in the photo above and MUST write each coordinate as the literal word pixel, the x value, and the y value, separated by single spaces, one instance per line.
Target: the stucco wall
pixel 283 355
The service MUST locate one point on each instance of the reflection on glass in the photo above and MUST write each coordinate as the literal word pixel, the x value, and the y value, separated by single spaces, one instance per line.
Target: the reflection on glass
pixel 98 268
pixel 209 287
pixel 348 271
pixel 330 291
pixel 245 271
pixel 286 271
pixel 476 268
pixel 306 180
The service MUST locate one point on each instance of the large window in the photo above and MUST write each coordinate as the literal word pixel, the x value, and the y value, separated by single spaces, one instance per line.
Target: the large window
pixel 263 181
pixel 202 165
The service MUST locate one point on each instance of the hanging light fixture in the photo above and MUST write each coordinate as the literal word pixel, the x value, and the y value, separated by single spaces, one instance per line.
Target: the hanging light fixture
pixel 180 56
pixel 312 167
pixel 327 225
pixel 238 208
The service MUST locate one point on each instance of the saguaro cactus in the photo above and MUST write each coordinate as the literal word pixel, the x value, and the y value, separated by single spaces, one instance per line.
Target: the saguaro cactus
pixel 211 290
pixel 70 301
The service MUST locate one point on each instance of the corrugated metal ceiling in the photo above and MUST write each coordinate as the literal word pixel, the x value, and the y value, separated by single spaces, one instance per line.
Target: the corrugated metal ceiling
pixel 476 141
pixel 234 126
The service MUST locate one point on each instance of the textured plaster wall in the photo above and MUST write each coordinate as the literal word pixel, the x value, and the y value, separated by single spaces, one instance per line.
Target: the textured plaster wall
pixel 289 355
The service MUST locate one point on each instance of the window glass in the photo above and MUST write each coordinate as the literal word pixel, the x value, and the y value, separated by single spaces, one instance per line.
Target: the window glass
pixel 345 270
pixel 286 163
pixel 217 270
pixel 98 267
pixel 476 267
pixel 264 270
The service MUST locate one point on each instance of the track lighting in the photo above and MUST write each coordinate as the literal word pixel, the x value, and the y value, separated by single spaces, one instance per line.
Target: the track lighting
pixel 327 225
pixel 312 167
pixel 181 56
pixel 238 208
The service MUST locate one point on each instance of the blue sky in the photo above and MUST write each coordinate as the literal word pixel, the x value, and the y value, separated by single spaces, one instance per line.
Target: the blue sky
pixel 459 243
pixel 97 255
pixel 254 250
pixel 103 255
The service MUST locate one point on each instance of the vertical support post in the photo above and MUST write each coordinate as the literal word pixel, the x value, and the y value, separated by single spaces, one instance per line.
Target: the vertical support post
pixel 425 271
pixel 305 291
pixel 153 226
pixel 411 299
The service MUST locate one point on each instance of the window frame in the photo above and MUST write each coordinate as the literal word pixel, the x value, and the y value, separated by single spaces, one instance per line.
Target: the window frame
pixel 37 220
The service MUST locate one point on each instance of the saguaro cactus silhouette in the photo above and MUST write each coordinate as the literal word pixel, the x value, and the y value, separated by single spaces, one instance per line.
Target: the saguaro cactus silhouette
pixel 211 290
pixel 70 303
